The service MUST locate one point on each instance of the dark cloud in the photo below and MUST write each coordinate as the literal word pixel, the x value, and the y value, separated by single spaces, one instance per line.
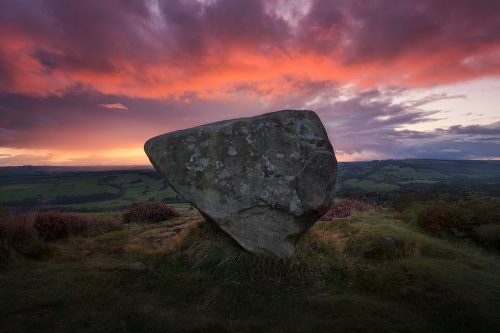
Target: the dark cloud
pixel 362 125
pixel 433 98
pixel 81 120
pixel 371 125
pixel 178 63
pixel 134 38
pixel 493 129
pixel 370 122
pixel 367 30
pixel 216 26
pixel 94 36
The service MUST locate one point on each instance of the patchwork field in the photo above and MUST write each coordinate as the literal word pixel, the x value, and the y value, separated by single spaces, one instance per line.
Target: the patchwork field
pixel 94 190
pixel 84 190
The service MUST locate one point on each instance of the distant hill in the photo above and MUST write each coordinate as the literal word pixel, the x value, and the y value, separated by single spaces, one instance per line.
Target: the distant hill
pixel 114 188
pixel 55 168
pixel 397 175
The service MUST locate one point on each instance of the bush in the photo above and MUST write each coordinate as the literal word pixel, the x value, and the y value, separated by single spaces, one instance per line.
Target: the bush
pixel 444 218
pixel 488 236
pixel 475 218
pixel 18 237
pixel 55 225
pixel 344 208
pixel 26 242
pixel 5 251
pixel 151 212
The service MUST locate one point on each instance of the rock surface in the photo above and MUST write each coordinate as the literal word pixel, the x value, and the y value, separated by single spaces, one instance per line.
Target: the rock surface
pixel 264 180
pixel 136 266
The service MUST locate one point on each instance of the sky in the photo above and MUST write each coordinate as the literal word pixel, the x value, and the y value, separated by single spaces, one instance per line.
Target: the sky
pixel 88 82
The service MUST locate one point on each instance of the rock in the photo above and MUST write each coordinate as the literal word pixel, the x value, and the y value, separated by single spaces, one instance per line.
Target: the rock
pixel 387 241
pixel 264 180
pixel 136 266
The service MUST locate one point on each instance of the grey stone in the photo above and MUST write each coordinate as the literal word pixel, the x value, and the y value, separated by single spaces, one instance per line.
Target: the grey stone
pixel 137 266
pixel 264 180
pixel 387 241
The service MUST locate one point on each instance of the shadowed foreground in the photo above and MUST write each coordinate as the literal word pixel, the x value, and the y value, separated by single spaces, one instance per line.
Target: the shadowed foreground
pixel 366 272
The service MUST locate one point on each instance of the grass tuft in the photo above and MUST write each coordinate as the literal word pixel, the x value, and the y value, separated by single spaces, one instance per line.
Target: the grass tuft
pixel 150 212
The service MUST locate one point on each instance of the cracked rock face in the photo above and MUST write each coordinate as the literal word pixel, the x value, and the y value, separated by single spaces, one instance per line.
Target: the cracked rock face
pixel 264 180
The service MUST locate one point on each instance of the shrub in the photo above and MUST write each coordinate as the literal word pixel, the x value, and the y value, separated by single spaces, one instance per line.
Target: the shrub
pixel 151 212
pixel 442 218
pixel 488 236
pixel 26 242
pixel 344 208
pixel 484 210
pixel 471 216
pixel 79 223
pixel 55 225
pixel 5 251
pixel 18 237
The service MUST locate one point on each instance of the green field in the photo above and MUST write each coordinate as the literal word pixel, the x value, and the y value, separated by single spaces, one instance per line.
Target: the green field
pixel 415 175
pixel 94 190
pixel 85 190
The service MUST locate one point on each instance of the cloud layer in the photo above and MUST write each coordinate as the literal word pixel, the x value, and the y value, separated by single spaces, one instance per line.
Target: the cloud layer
pixel 101 75
pixel 156 48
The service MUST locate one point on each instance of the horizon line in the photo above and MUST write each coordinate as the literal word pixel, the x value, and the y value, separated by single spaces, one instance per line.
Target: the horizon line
pixel 151 166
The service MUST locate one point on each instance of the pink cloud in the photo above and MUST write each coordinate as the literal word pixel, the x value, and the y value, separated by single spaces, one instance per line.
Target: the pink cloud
pixel 132 49
pixel 114 106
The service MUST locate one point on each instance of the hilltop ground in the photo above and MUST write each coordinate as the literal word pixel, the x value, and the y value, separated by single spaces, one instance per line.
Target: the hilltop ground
pixel 427 260
pixel 369 272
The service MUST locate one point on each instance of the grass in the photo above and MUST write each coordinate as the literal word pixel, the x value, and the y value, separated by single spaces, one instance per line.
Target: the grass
pixel 370 186
pixel 84 185
pixel 366 272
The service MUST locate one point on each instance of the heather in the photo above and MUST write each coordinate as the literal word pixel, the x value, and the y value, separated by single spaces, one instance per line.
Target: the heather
pixel 31 235
pixel 345 207
pixel 471 217
pixel 149 212
pixel 18 238
pixel 54 225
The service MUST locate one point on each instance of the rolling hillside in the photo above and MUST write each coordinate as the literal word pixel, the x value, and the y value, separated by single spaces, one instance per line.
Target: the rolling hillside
pixel 102 189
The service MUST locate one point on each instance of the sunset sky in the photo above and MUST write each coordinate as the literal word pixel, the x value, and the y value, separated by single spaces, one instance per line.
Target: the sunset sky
pixel 86 82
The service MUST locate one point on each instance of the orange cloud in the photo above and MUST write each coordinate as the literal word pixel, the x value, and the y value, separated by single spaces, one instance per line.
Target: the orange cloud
pixel 173 64
pixel 177 50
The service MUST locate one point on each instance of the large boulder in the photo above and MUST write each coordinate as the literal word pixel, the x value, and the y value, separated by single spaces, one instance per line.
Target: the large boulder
pixel 264 180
